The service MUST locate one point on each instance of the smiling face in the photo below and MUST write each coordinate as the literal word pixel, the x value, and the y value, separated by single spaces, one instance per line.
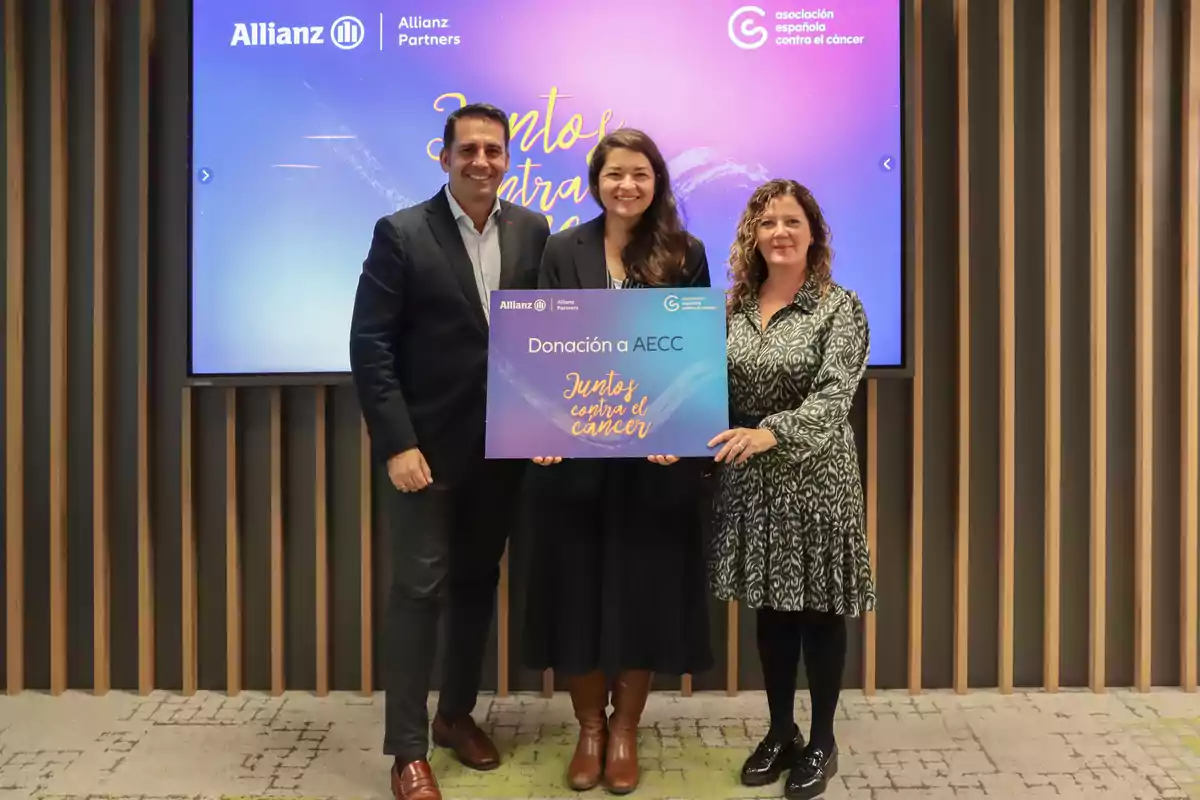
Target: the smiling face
pixel 626 183
pixel 784 234
pixel 476 160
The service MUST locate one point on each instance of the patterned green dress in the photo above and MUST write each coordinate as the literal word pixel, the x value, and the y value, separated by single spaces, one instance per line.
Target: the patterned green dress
pixel 789 526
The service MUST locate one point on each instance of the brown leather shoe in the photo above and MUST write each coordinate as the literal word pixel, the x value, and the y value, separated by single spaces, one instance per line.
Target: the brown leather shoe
pixel 469 743
pixel 415 782
pixel 589 696
pixel 621 774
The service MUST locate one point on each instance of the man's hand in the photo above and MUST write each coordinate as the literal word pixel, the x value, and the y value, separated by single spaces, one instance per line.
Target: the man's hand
pixel 545 461
pixel 663 460
pixel 408 471
pixel 739 444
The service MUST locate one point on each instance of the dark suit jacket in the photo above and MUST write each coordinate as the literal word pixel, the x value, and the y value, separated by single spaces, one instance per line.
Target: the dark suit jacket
pixel 574 259
pixel 419 338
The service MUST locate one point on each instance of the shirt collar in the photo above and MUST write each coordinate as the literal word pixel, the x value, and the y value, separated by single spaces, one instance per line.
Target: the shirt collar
pixel 809 295
pixel 807 298
pixel 458 212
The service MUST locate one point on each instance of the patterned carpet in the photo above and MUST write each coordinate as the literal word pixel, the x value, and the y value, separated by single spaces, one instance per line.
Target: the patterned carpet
pixel 937 745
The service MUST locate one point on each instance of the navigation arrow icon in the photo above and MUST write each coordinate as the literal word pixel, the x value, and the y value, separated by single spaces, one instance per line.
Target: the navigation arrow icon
pixel 205 175
pixel 887 163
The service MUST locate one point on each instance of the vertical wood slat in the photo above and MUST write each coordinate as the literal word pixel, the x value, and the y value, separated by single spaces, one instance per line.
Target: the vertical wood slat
pixel 321 593
pixel 732 648
pixel 187 580
pixel 685 686
pixel 278 679
pixel 58 349
pixel 547 683
pixel 1008 344
pixel 1098 488
pixel 1053 326
pixel 101 569
pixel 916 563
pixel 870 621
pixel 1143 529
pixel 502 628
pixel 366 607
pixel 962 530
pixel 14 361
pixel 145 539
pixel 233 552
pixel 1189 253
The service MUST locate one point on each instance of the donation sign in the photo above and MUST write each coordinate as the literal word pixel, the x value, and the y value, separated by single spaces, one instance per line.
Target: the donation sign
pixel 602 373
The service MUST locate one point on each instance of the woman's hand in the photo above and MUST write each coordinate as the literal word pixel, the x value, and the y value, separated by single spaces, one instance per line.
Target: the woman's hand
pixel 663 460
pixel 740 444
pixel 545 461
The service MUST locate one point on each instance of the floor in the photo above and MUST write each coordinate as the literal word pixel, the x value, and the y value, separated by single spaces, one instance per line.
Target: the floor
pixel 937 745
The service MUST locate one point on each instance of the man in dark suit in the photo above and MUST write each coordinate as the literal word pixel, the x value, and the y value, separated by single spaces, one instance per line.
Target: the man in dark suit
pixel 418 352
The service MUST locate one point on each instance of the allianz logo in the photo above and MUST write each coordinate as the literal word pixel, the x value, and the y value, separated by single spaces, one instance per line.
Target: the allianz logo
pixel 523 305
pixel 346 33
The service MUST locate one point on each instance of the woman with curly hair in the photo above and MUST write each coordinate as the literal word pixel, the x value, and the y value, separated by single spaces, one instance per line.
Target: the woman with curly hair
pixel 789 529
pixel 617 585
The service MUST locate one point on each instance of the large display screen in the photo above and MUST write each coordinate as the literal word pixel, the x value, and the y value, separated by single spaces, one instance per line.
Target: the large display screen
pixel 313 118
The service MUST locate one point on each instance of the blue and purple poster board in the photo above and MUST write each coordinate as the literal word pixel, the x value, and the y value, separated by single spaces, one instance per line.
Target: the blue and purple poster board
pixel 606 373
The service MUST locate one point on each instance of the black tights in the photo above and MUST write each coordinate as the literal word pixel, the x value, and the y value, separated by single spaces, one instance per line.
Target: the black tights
pixel 822 636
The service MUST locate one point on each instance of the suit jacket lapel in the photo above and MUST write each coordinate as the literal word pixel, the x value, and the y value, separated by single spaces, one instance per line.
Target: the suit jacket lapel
pixel 590 265
pixel 445 230
pixel 510 248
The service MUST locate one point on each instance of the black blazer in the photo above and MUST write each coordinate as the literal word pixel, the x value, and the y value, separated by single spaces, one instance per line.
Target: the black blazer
pixel 574 259
pixel 419 337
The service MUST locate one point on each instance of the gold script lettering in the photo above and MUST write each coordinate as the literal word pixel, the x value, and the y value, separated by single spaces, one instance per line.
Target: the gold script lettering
pixel 607 386
pixel 537 128
pixel 600 417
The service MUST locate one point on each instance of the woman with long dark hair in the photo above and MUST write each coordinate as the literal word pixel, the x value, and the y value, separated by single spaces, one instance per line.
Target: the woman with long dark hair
pixel 789 538
pixel 617 589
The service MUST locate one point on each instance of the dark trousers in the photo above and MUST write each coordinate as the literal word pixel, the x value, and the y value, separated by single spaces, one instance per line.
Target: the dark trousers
pixel 447 542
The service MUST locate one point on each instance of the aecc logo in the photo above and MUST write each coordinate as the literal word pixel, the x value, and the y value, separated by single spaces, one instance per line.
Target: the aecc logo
pixel 743 31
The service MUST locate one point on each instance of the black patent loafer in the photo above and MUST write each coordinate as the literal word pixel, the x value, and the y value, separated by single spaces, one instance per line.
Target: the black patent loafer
pixel 810 778
pixel 771 759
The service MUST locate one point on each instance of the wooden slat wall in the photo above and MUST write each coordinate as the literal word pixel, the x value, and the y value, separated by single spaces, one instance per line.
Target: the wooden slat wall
pixel 187 559
pixel 1143 266
pixel 916 550
pixel 1098 186
pixel 14 346
pixel 1008 341
pixel 233 552
pixel 58 349
pixel 962 531
pixel 101 486
pixel 236 539
pixel 1052 150
pixel 366 597
pixel 278 679
pixel 145 537
pixel 1190 327
pixel 870 623
pixel 321 590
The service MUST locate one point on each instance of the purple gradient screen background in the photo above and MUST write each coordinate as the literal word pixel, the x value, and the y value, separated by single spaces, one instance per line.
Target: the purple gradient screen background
pixel 307 146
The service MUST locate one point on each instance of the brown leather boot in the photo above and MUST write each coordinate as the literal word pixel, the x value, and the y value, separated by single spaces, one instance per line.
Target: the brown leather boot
pixel 589 696
pixel 621 772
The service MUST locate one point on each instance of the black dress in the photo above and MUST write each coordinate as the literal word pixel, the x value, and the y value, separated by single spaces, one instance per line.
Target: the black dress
pixel 617 564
